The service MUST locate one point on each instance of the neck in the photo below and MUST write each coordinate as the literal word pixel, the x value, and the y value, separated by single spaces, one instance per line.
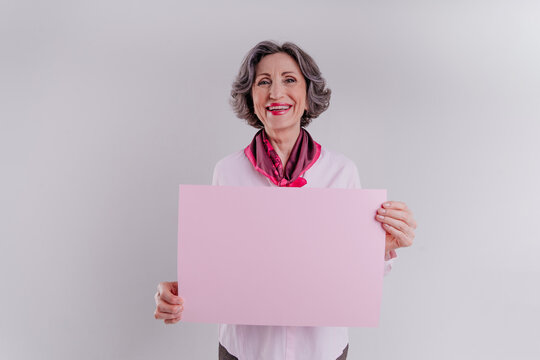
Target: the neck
pixel 283 141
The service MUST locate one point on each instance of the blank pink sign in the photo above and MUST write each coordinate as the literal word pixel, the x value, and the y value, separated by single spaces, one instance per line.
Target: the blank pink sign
pixel 280 256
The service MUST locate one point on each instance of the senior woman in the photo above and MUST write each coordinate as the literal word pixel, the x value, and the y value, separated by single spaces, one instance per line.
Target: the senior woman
pixel 279 90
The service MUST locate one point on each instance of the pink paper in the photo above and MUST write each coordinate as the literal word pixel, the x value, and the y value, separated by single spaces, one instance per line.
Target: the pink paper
pixel 280 256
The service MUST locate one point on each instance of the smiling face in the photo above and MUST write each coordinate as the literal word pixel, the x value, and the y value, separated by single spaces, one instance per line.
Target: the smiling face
pixel 279 92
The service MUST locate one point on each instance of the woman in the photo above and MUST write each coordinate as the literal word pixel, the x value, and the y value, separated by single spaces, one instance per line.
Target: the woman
pixel 279 89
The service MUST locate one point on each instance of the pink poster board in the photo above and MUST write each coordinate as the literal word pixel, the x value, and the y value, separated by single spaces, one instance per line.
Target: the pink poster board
pixel 280 256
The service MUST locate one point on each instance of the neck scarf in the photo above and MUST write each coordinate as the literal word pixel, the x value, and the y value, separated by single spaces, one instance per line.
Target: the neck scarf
pixel 266 161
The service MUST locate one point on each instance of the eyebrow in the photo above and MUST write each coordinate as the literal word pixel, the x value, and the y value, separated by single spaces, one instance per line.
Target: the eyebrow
pixel 283 73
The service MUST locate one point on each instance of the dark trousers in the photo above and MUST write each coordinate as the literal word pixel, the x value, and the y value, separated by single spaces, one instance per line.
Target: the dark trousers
pixel 224 354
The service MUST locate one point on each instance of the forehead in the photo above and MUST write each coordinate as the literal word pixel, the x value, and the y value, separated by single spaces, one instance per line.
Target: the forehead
pixel 279 62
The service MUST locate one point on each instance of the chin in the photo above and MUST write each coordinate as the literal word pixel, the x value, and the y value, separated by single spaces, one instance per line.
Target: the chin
pixel 282 124
pixel 281 121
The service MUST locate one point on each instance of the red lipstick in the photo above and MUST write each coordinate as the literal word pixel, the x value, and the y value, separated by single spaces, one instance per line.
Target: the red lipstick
pixel 278 108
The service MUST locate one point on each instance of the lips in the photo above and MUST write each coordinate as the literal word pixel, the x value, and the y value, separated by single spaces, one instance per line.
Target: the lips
pixel 278 108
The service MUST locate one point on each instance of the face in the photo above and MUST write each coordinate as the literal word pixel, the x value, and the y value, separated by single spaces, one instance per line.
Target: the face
pixel 279 92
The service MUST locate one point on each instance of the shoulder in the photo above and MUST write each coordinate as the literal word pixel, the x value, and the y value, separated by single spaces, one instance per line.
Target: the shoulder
pixel 236 170
pixel 333 169
pixel 232 162
pixel 336 161
pixel 337 158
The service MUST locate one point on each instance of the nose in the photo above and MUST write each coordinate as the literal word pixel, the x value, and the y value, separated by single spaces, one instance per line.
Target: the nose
pixel 276 90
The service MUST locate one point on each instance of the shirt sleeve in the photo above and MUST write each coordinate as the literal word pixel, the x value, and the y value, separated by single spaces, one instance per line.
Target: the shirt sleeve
pixel 389 260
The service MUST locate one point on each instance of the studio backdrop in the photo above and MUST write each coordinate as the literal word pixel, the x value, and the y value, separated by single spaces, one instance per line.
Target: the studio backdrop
pixel 107 106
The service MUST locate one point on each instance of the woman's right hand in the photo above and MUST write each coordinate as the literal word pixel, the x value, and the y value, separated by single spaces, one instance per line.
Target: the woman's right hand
pixel 169 305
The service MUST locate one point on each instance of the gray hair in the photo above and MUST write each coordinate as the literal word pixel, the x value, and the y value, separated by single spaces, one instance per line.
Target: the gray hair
pixel 317 97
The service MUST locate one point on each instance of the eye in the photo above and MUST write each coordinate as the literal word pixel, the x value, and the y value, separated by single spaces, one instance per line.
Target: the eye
pixel 263 82
pixel 290 80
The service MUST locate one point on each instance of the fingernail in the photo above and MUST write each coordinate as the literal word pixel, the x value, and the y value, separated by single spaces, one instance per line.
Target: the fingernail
pixel 387 204
pixel 380 217
pixel 382 211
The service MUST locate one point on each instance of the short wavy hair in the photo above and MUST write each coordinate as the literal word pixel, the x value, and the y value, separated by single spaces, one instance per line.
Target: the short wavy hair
pixel 317 94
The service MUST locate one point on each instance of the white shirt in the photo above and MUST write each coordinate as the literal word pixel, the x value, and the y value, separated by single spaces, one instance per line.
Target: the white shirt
pixel 256 342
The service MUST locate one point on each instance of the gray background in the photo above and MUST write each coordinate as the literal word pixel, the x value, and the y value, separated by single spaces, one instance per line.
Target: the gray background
pixel 106 106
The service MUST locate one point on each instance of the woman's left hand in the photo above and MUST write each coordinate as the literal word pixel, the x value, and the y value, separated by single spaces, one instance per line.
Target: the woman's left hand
pixel 398 222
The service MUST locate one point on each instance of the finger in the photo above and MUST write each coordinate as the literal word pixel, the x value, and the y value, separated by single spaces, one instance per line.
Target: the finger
pixel 166 316
pixel 404 215
pixel 171 321
pixel 163 307
pixel 394 205
pixel 166 294
pixel 398 205
pixel 396 214
pixel 398 224
pixel 402 238
pixel 394 238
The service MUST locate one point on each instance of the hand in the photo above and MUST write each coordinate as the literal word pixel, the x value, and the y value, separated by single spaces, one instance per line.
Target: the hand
pixel 169 305
pixel 398 222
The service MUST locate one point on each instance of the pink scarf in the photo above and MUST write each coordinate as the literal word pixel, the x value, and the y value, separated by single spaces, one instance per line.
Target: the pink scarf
pixel 265 159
